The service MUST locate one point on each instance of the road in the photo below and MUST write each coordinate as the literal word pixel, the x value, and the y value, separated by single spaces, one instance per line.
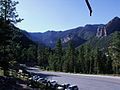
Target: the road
pixel 84 82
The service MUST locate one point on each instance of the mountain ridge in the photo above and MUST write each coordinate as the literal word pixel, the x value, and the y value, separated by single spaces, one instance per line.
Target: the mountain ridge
pixel 78 35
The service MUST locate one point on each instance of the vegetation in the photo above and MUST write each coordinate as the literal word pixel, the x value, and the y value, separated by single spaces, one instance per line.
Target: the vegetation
pixel 8 11
pixel 11 38
pixel 16 48
pixel 90 58
pixel 86 58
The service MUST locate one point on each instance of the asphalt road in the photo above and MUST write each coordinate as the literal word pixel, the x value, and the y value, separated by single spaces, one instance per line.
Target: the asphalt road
pixel 84 82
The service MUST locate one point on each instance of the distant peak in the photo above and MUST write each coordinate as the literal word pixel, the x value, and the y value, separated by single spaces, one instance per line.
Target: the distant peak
pixel 49 31
pixel 116 18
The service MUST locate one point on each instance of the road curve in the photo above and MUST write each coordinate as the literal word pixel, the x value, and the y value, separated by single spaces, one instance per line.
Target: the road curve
pixel 84 82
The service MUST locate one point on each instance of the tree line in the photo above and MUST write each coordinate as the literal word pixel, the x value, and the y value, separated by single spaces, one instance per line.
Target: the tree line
pixel 16 48
pixel 85 59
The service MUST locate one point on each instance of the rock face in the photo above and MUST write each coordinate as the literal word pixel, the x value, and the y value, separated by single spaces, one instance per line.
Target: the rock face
pixel 101 32
pixel 110 27
pixel 66 39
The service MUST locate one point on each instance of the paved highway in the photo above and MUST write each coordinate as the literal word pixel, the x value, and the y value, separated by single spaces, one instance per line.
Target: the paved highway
pixel 84 82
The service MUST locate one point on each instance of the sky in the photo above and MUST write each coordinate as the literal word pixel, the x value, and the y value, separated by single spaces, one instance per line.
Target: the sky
pixel 60 15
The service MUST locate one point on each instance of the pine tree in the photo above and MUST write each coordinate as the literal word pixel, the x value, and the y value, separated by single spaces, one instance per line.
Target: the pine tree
pixel 87 58
pixel 70 57
pixel 108 67
pixel 42 57
pixel 8 15
pixel 114 51
pixel 98 61
pixel 53 63
pixel 58 55
pixel 31 55
pixel 8 11
pixel 81 60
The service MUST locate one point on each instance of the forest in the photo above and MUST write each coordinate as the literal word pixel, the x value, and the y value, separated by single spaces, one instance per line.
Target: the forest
pixel 85 59
pixel 16 48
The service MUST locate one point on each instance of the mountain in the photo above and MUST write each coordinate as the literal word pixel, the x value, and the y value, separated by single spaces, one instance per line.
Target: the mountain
pixel 113 25
pixel 105 34
pixel 77 35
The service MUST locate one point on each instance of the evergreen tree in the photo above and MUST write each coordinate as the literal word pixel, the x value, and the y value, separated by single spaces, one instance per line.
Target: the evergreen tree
pixel 87 59
pixel 58 55
pixel 108 67
pixel 98 61
pixel 114 51
pixel 81 60
pixel 42 57
pixel 8 15
pixel 4 42
pixel 31 55
pixel 53 65
pixel 23 56
pixel 70 57
pixel 8 11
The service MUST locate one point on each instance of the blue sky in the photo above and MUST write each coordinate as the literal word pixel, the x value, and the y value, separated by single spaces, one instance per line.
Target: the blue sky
pixel 60 15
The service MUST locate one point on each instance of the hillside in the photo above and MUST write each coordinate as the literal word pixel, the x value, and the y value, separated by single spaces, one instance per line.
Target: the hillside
pixel 93 49
pixel 15 46
pixel 77 35
pixel 105 35
pixel 102 42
